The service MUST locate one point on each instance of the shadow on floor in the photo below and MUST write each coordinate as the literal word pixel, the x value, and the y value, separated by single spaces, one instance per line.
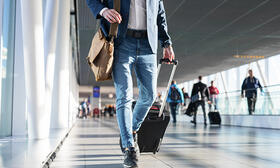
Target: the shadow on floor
pixel 94 166
pixel 96 156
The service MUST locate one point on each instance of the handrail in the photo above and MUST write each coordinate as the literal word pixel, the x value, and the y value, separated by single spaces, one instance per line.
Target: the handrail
pixel 235 104
pixel 239 90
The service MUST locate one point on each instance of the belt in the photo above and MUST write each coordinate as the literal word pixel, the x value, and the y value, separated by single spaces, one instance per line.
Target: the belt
pixel 137 33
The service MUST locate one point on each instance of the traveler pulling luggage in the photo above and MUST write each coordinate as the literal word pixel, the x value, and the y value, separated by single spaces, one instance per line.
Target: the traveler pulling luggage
pixel 152 130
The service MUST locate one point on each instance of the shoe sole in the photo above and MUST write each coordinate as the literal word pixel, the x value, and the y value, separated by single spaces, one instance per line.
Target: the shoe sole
pixel 127 166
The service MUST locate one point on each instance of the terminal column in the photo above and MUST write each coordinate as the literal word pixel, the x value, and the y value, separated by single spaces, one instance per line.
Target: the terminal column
pixel 60 100
pixel 33 47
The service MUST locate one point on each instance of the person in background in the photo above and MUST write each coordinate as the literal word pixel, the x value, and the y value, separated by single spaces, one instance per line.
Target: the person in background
pixel 199 93
pixel 213 96
pixel 89 111
pixel 159 98
pixel 96 113
pixel 175 98
pixel 84 108
pixel 110 110
pixel 250 86
pixel 186 95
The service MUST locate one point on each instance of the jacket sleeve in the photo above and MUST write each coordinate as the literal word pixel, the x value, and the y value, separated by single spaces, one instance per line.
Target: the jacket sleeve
pixel 193 91
pixel 95 6
pixel 163 35
pixel 243 87
pixel 207 93
pixel 260 86
pixel 217 91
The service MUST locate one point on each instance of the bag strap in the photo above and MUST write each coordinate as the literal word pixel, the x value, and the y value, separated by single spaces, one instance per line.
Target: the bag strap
pixel 114 27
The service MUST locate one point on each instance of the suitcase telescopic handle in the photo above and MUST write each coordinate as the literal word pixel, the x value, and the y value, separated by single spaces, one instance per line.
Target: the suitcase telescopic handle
pixel 166 60
pixel 174 63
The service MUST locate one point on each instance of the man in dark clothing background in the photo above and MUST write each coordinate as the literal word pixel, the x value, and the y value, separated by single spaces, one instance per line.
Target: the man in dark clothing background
pixel 199 93
pixel 250 86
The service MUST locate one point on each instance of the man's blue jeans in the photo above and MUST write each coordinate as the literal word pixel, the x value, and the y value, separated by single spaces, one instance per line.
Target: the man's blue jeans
pixel 214 101
pixel 174 108
pixel 133 54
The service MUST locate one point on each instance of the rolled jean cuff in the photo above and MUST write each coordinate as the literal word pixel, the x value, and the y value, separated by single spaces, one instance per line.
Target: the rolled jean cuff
pixel 128 145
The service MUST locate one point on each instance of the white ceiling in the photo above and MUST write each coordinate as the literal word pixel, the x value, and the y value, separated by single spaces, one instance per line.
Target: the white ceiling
pixel 206 35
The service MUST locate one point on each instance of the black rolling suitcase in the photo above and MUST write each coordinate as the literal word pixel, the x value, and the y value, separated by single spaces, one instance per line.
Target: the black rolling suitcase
pixel 152 130
pixel 214 118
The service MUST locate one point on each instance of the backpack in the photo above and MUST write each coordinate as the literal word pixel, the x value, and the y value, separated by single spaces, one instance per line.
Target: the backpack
pixel 175 95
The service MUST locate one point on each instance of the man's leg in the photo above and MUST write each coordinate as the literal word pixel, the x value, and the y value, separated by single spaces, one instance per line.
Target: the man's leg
pixel 249 101
pixel 124 94
pixel 177 107
pixel 146 72
pixel 195 112
pixel 216 103
pixel 204 112
pixel 171 110
pixel 254 104
pixel 122 74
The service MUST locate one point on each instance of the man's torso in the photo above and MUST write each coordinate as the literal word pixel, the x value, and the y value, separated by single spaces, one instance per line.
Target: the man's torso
pixel 251 86
pixel 152 7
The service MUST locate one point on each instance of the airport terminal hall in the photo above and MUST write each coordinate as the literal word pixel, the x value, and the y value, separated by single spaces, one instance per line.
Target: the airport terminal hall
pixel 140 84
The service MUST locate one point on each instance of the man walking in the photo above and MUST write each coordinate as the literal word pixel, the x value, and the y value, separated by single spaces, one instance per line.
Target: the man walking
pixel 199 93
pixel 141 24
pixel 250 86
pixel 175 98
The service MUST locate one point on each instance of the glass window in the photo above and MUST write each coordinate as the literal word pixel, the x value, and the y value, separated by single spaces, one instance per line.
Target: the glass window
pixel 231 102
pixel 7 61
pixel 274 71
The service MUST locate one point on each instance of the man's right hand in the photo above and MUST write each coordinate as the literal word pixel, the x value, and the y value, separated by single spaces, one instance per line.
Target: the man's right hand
pixel 112 16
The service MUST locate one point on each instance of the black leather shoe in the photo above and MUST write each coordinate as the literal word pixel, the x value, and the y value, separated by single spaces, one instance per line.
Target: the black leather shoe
pixel 130 158
pixel 135 138
pixel 194 122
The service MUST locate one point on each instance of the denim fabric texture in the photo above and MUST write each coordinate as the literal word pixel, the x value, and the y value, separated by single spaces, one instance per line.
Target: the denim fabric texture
pixel 133 55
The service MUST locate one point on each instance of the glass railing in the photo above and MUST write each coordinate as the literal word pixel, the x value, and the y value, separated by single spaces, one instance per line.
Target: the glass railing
pixel 231 103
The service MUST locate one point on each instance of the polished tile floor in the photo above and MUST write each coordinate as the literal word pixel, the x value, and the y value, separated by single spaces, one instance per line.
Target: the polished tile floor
pixel 94 143
pixel 21 152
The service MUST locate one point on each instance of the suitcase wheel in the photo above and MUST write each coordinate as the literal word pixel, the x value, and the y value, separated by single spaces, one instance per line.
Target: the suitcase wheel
pixel 158 146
